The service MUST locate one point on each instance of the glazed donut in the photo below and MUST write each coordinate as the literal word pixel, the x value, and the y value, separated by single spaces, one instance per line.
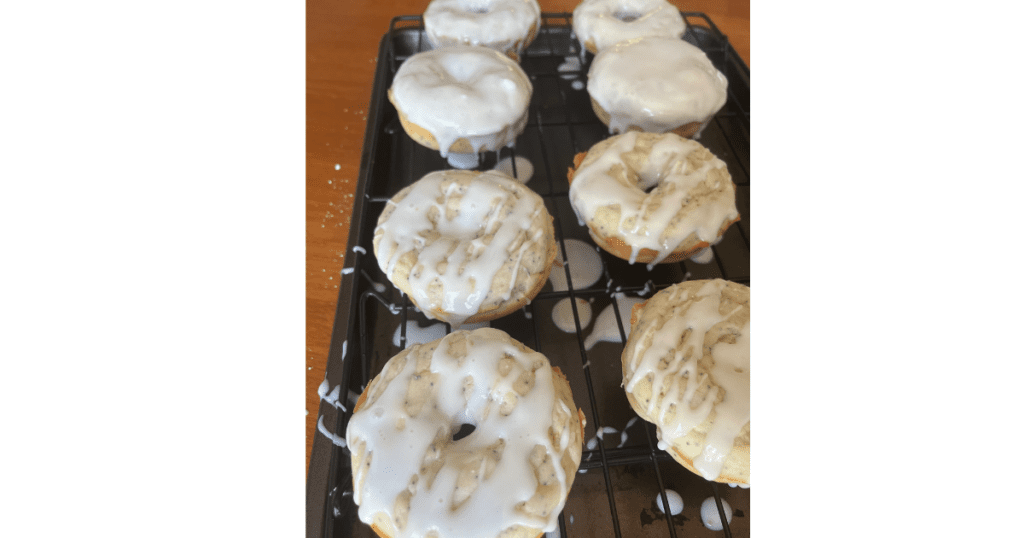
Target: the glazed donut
pixel 461 99
pixel 655 84
pixel 599 24
pixel 509 477
pixel 508 26
pixel 686 368
pixel 466 246
pixel 691 203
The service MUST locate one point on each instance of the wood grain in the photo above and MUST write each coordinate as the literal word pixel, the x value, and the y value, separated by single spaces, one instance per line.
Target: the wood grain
pixel 342 40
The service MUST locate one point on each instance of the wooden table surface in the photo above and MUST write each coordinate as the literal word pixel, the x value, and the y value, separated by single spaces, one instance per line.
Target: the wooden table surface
pixel 342 40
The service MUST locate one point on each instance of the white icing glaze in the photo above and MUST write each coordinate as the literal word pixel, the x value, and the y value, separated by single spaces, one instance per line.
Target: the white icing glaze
pixel 561 314
pixel 585 266
pixel 570 67
pixel 464 92
pixel 503 25
pixel 704 255
pixel 464 161
pixel 523 169
pixel 398 455
pixel 331 397
pixel 414 334
pixel 570 70
pixel 656 84
pixel 675 502
pixel 607 22
pixel 486 205
pixel 709 514
pixel 646 217
pixel 336 439
pixel 730 372
pixel 624 436
pixel 606 329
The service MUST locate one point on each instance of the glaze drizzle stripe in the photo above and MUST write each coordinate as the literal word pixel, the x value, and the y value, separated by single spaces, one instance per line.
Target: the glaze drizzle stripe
pixel 401 458
pixel 663 218
pixel 462 233
pixel 670 356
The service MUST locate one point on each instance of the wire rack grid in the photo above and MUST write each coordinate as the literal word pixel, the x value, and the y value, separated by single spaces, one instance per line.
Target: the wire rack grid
pixel 628 477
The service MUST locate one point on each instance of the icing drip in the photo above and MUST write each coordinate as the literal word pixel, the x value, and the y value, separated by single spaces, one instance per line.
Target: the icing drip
pixel 585 266
pixel 709 514
pixel 562 316
pixel 674 351
pixel 466 92
pixel 704 255
pixel 606 329
pixel 472 376
pixel 502 25
pixel 414 334
pixel 464 161
pixel 336 439
pixel 462 232
pixel 692 193
pixel 523 169
pixel 571 70
pixel 331 397
pixel 656 84
pixel 607 22
pixel 675 502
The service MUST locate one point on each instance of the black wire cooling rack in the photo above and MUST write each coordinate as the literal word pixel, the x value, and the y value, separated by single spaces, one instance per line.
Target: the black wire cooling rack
pixel 623 473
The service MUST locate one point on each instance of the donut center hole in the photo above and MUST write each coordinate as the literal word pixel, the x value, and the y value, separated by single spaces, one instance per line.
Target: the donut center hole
pixel 463 432
pixel 627 16
pixel 647 183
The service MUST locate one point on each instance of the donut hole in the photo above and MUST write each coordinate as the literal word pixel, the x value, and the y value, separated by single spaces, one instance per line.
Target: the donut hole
pixel 627 16
pixel 637 172
pixel 463 431
pixel 647 182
